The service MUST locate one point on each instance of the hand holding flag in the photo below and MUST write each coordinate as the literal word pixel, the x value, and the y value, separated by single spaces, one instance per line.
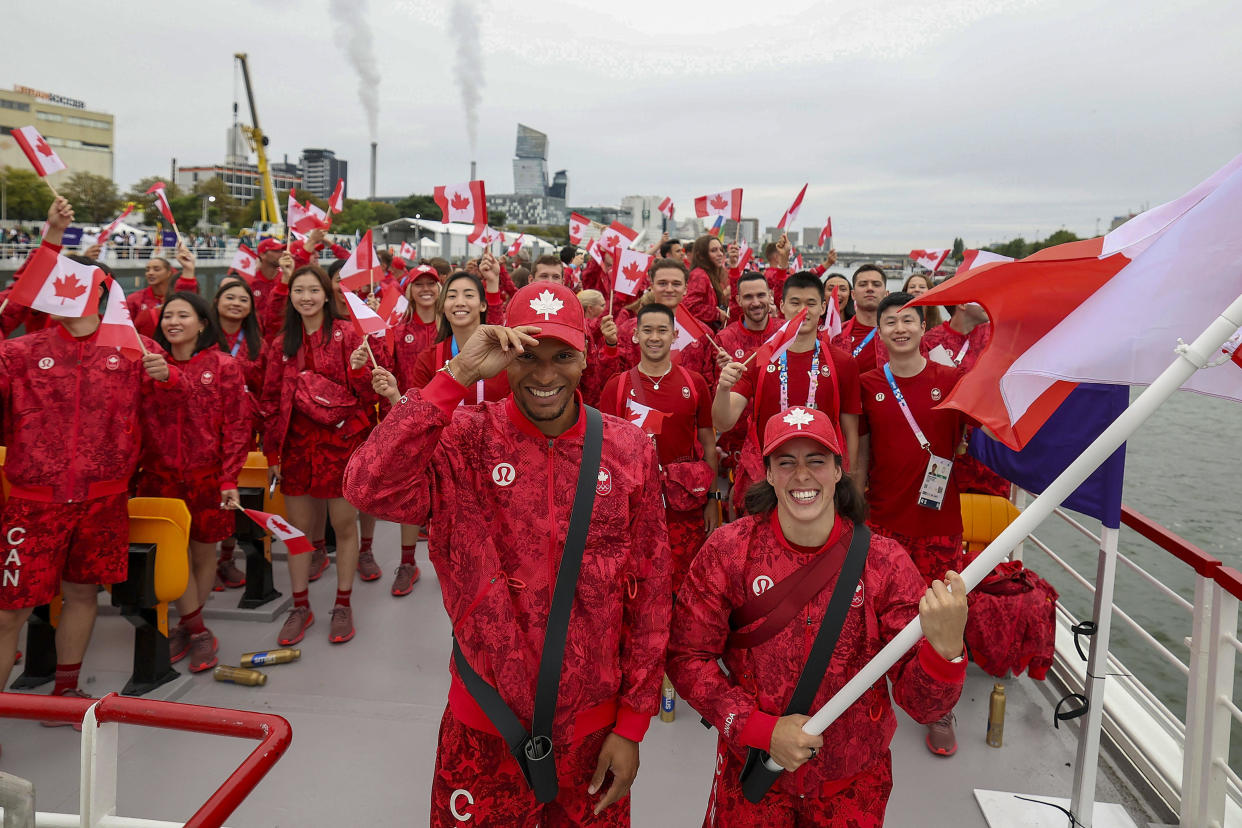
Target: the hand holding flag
pixel 116 329
pixel 780 340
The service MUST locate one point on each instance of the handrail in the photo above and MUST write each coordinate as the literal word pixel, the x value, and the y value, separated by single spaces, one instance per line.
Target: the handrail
pixel 1230 580
pixel 273 732
pixel 1198 560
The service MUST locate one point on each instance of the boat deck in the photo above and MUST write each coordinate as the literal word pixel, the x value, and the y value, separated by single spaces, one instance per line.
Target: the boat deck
pixel 365 717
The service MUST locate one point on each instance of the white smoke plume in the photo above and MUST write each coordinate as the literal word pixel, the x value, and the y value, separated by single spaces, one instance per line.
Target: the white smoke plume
pixel 352 18
pixel 464 22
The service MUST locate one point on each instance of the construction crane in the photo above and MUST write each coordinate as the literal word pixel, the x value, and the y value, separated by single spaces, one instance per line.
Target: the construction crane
pixel 270 210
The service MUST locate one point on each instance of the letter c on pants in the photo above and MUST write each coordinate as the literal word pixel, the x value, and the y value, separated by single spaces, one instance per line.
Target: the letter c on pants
pixel 16 536
pixel 453 804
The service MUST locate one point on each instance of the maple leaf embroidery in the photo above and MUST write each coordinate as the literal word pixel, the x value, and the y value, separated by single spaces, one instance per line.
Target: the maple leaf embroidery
pixel 798 417
pixel 719 202
pixel 546 304
pixel 459 202
pixel 68 287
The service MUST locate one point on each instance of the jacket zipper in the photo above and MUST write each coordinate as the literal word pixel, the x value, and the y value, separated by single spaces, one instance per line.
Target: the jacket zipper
pixel 552 516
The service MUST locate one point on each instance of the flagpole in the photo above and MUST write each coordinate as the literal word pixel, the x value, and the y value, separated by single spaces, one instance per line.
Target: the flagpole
pixel 48 182
pixel 1189 360
pixel 366 343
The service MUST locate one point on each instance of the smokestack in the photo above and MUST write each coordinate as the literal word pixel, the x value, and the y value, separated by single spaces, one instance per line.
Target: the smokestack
pixel 472 169
pixel 373 145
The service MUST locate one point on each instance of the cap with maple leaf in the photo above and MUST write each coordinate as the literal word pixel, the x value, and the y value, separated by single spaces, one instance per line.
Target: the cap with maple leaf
pixel 553 308
pixel 270 244
pixel 796 422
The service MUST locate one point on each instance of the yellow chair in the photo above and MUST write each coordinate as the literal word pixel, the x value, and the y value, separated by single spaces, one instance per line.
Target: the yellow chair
pixel 4 480
pixel 983 518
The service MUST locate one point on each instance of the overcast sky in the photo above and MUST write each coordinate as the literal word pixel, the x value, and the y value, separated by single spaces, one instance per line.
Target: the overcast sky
pixel 913 121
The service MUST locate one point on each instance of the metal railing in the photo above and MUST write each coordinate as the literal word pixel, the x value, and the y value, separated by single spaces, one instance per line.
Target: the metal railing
pixel 100 720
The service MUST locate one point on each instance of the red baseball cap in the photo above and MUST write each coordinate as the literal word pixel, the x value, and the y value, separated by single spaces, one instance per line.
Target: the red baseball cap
pixel 398 262
pixel 796 422
pixel 270 244
pixel 551 307
pixel 424 270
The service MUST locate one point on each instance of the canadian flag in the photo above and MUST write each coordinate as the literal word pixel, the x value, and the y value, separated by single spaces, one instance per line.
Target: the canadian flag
pixel 689 329
pixel 727 203
pixel 116 329
pixel 930 259
pixel 645 417
pixel 744 254
pixel 106 234
pixel 305 218
pixel 483 236
pixel 615 238
pixel 515 247
pixel 336 203
pixel 666 208
pixel 295 541
pixel 825 235
pixel 366 321
pixel 978 258
pixel 393 305
pixel 831 323
pixel 245 261
pixel 630 270
pixel 463 202
pixel 42 157
pixel 161 201
pixel 362 267
pixel 407 252
pixel 577 224
pixel 791 215
pixel 58 285
pixel 779 342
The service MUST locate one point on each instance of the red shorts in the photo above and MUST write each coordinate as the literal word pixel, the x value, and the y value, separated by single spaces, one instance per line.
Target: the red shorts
pixel 860 805
pixel 46 543
pixel 686 533
pixel 314 458
pixel 478 784
pixel 201 493
pixel 933 555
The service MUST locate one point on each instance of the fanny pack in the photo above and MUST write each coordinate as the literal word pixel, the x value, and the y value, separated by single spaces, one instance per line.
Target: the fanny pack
pixel 686 483
pixel 325 401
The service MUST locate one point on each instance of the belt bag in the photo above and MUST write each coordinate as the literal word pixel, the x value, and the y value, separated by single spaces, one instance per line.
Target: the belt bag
pixel 686 484
pixel 533 749
pixel 324 401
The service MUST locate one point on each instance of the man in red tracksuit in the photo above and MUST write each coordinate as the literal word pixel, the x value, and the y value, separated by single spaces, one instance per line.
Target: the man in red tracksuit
pixel 267 276
pixel 72 431
pixel 858 334
pixel 494 483
pixel 806 509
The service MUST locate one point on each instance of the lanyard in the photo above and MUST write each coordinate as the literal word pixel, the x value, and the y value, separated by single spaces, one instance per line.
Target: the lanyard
pixel 863 344
pixel 453 345
pixel 905 409
pixel 957 360
pixel 241 338
pixel 814 379
pixel 478 386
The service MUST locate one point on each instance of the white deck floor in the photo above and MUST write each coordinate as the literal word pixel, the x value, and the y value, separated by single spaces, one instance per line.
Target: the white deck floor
pixel 365 716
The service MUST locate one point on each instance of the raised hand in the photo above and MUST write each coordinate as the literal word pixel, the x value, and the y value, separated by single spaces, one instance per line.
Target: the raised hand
pixel 489 350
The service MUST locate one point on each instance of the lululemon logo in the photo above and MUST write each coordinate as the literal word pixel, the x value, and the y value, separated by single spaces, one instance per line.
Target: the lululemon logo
pixel 461 793
pixel 879 397
pixel 503 474
pixel 761 584
pixel 409 338
pixel 46 362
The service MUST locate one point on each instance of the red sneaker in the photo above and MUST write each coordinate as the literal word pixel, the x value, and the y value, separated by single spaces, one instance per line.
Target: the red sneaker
pixel 407 576
pixel 178 643
pixel 229 575
pixel 203 649
pixel 75 693
pixel 368 569
pixel 319 563
pixel 296 625
pixel 342 628
pixel 941 737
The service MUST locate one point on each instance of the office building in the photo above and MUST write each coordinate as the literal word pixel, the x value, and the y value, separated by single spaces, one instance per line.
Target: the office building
pixel 320 170
pixel 84 139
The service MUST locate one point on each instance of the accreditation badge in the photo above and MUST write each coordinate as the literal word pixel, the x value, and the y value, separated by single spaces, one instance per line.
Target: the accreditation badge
pixel 935 482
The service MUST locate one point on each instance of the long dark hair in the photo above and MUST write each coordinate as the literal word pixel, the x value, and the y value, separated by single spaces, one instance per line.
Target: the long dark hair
pixel 847 499
pixel 293 319
pixel 210 334
pixel 701 259
pixel 445 329
pixel 249 325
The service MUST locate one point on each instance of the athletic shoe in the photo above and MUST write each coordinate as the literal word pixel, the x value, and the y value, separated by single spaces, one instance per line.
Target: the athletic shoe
pixel 296 625
pixel 342 628
pixel 941 738
pixel 178 643
pixel 228 574
pixel 368 569
pixel 72 692
pixel 218 586
pixel 319 563
pixel 203 648
pixel 407 577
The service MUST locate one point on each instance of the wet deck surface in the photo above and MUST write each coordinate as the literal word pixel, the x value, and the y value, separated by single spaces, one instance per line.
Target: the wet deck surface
pixel 365 717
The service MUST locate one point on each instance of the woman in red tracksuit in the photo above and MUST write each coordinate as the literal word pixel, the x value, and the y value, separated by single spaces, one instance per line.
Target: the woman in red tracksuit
pixel 203 446
pixel 462 311
pixel 707 289
pixel 233 312
pixel 314 408
pixel 806 508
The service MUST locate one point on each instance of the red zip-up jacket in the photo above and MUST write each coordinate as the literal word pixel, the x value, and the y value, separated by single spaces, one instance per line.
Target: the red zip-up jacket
pixel 700 299
pixel 745 704
pixel 495 495
pixel 264 290
pixel 204 425
pixel 409 339
pixel 71 415
pixel 332 346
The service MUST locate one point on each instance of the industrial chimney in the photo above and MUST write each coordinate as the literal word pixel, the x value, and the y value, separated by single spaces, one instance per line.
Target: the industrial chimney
pixel 472 170
pixel 373 145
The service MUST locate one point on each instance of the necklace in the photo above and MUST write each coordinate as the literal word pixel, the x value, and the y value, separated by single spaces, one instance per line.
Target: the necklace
pixel 655 383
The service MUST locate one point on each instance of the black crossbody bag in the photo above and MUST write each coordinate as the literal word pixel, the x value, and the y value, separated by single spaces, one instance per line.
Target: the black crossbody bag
pixel 756 777
pixel 533 749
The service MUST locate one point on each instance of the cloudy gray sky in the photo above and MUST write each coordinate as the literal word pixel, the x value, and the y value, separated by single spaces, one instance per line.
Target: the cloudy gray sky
pixel 914 122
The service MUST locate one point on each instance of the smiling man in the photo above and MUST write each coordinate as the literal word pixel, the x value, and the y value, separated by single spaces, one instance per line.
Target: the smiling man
pixel 496 485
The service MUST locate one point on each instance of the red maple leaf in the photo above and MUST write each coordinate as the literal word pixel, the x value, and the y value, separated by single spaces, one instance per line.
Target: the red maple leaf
pixel 43 148
pixel 459 202
pixel 719 202
pixel 612 241
pixel 633 271
pixel 68 287
pixel 575 229
pixel 280 526
pixel 244 262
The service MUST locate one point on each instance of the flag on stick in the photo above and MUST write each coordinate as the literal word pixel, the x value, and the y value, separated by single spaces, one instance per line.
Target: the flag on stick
pixel 744 254
pixel 57 285
pixel 466 202
pixel 116 328
pixel 689 329
pixel 366 321
pixel 161 201
pixel 294 540
pixel 244 261
pixel 630 268
pixel 666 208
pixel 645 417
pixel 42 157
pixel 727 204
pixel 362 267
pixel 780 340
pixel 336 203
pixel 831 323
pixel 930 259
pixel 791 215
pixel 825 235
pixel 577 224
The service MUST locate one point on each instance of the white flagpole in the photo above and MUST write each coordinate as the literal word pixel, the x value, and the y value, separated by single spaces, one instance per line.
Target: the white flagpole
pixel 1189 360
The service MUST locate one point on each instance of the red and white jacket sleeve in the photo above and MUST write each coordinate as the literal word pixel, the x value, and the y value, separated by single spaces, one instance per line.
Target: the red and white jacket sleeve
pixel 236 427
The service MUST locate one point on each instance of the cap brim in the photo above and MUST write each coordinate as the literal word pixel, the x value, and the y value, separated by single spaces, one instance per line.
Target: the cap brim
pixel 829 443
pixel 572 337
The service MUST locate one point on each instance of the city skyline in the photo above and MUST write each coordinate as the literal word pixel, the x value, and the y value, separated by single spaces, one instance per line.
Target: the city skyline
pixel 912 123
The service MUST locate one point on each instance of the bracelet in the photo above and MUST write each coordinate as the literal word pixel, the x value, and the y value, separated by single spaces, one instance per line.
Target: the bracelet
pixel 446 369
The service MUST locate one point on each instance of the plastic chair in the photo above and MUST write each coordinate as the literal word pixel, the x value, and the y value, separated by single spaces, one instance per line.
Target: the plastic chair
pixel 983 518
